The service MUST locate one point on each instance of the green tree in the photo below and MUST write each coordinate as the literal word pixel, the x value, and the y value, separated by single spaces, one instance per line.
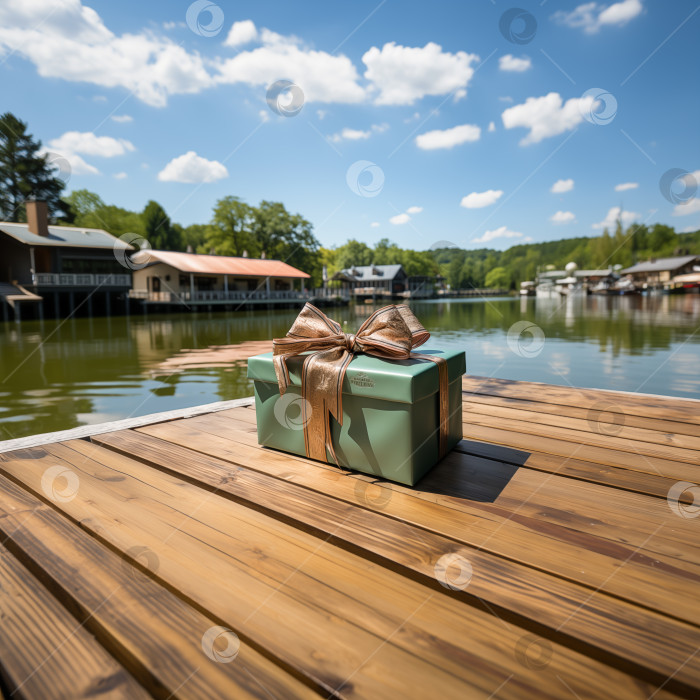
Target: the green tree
pixel 158 229
pixel 229 233
pixel 24 172
pixel 84 202
pixel 498 278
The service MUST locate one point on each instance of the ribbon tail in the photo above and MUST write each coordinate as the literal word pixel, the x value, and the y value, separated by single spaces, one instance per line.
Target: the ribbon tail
pixel 321 387
pixel 443 399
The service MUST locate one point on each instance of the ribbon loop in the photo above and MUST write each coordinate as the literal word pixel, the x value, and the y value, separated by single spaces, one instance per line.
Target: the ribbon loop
pixel 390 333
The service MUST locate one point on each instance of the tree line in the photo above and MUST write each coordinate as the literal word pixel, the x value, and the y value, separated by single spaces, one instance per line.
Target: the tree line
pixel 267 229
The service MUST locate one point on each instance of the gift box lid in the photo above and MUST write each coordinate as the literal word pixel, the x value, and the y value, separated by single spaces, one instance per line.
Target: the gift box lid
pixel 403 381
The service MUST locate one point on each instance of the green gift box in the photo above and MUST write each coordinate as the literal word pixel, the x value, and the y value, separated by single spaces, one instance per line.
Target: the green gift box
pixel 390 426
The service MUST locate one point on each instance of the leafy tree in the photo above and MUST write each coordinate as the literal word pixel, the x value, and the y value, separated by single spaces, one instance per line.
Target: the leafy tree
pixel 84 202
pixel 158 229
pixel 229 233
pixel 24 172
pixel 498 278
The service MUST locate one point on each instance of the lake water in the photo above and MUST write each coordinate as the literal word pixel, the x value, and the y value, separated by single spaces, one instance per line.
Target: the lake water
pixel 57 375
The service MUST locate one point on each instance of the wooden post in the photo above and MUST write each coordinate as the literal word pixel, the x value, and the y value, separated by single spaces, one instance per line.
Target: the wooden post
pixel 267 287
pixel 191 286
pixel 225 286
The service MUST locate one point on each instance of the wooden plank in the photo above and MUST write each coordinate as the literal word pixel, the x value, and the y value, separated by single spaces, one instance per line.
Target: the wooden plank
pixel 566 448
pixel 361 629
pixel 596 424
pixel 154 634
pixel 573 468
pixel 648 405
pixel 609 417
pixel 85 431
pixel 44 652
pixel 589 616
pixel 656 481
pixel 616 567
pixel 628 519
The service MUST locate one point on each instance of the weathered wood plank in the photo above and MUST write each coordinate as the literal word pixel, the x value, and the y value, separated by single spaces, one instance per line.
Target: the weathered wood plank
pixel 568 448
pixel 573 468
pixel 585 614
pixel 610 417
pixel 598 424
pixel 647 405
pixel 617 567
pixel 154 634
pixel 361 629
pixel 519 422
pixel 44 652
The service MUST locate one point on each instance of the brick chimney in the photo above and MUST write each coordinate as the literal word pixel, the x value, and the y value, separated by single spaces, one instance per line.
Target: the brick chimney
pixel 37 217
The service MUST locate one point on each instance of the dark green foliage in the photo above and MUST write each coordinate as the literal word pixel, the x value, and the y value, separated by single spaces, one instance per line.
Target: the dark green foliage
pixel 24 173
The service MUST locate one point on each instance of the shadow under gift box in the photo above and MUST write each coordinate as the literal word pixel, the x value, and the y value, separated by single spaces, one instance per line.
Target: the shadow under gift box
pixel 390 413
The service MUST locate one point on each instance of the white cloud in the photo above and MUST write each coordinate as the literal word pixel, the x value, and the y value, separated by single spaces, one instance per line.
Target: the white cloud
pixel 374 224
pixel 448 138
pixel 492 126
pixel 192 168
pixel 241 33
pixel 546 116
pixel 321 113
pixel 69 41
pixel 264 115
pixel 562 217
pixel 591 16
pixel 79 166
pixel 622 187
pixel 690 207
pixel 357 134
pixel 404 74
pixel 477 200
pixel 120 176
pixel 89 144
pixel 690 229
pixel 501 232
pixel 561 186
pixel 322 77
pixel 122 118
pixel 405 217
pixel 513 64
pixel 610 220
pixel 506 99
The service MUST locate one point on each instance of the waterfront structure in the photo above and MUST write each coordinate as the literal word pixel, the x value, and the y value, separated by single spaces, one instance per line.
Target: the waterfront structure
pixel 658 271
pixel 187 279
pixel 388 281
pixel 54 270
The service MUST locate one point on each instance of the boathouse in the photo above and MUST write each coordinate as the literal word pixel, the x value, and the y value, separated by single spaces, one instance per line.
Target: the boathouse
pixel 55 270
pixel 186 279
pixel 657 271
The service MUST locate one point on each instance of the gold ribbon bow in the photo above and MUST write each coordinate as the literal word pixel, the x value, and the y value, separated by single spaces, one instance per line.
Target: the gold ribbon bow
pixel 390 333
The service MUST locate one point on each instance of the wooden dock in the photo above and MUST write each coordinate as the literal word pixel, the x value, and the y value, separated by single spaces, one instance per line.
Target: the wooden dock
pixel 554 554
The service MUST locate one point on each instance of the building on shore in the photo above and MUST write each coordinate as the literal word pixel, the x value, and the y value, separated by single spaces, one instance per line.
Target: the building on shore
pixel 659 271
pixel 385 281
pixel 53 270
pixel 164 278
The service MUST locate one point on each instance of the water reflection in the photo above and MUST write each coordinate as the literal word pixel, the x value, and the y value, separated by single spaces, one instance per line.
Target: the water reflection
pixel 59 375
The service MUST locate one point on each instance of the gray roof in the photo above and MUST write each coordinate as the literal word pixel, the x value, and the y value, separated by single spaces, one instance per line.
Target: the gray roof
pixel 593 273
pixel 65 236
pixel 368 273
pixel 660 264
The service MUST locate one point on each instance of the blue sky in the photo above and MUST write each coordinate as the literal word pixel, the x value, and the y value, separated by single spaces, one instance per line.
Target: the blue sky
pixel 421 122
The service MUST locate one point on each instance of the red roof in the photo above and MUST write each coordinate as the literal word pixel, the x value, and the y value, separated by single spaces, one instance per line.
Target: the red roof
pixel 220 264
